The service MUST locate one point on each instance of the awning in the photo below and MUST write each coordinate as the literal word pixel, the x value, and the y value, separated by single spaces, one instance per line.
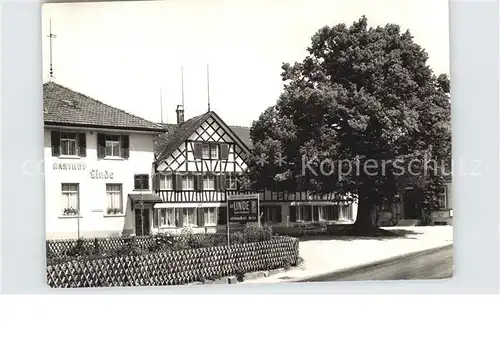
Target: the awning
pixel 147 198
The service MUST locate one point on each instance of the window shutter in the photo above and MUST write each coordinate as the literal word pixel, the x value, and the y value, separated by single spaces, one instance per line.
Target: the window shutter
pixel 201 216
pixel 293 213
pixel 125 146
pixel 197 150
pixel 316 214
pixel 101 145
pixel 178 182
pixel 279 217
pixel 222 216
pixel 198 179
pixel 55 139
pixel 222 182
pixel 155 218
pixel 82 144
pixel 224 151
pixel 308 213
pixel 156 181
pixel 180 223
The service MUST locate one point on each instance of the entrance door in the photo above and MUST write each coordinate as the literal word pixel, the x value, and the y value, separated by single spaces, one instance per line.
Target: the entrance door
pixel 412 203
pixel 142 224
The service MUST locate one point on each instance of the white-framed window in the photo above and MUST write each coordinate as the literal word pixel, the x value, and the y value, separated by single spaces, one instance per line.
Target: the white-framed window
pixel 214 151
pixel 70 199
pixel 210 216
pixel 441 198
pixel 68 144
pixel 345 212
pixel 205 151
pixel 166 182
pixel 189 216
pixel 114 199
pixel 208 182
pixel 188 182
pixel 231 182
pixel 112 145
pixel 166 217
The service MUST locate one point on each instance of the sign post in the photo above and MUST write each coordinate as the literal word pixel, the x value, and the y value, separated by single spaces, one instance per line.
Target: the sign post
pixel 242 209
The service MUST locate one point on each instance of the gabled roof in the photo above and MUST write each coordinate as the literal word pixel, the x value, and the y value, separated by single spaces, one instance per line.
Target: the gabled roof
pixel 63 106
pixel 174 135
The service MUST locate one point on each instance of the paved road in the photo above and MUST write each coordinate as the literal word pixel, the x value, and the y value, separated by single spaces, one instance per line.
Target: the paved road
pixel 432 264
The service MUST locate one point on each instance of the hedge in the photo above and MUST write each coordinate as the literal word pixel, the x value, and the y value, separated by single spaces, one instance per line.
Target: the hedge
pixel 175 267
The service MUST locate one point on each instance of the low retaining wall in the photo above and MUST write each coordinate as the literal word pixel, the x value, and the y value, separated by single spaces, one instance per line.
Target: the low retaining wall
pixel 176 267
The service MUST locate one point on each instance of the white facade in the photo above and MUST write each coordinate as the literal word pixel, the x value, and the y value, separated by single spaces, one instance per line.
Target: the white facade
pixel 103 183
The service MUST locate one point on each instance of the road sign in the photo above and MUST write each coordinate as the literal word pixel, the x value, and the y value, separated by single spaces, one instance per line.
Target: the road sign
pixel 243 208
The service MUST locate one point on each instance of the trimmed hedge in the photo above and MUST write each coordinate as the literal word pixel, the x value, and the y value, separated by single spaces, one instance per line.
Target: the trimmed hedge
pixel 176 267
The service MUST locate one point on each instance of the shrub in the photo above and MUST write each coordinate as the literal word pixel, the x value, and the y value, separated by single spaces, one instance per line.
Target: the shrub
pixel 79 250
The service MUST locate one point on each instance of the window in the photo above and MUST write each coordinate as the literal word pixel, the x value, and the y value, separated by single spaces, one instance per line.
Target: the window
pixel 328 213
pixel 165 217
pixel 271 214
pixel 304 213
pixel 441 198
pixel 68 144
pixel 70 199
pixel 214 151
pixel 114 199
pixel 209 182
pixel 141 182
pixel 345 212
pixel 189 216
pixel 231 182
pixel 166 182
pixel 210 216
pixel 205 151
pixel 188 182
pixel 113 145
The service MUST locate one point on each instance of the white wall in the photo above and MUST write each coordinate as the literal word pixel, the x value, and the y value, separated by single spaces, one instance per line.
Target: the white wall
pixel 94 221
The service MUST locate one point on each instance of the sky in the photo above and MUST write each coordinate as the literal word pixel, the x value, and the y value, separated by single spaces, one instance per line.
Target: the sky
pixel 129 54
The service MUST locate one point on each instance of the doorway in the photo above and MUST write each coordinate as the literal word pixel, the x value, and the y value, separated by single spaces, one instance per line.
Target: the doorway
pixel 142 225
pixel 412 203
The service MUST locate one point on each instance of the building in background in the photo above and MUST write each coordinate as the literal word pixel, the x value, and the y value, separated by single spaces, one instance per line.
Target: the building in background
pixel 98 162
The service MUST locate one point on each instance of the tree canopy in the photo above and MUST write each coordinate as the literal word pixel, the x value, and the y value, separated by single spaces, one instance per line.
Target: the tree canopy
pixel 361 110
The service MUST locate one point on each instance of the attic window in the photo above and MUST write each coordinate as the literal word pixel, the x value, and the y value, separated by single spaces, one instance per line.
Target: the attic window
pixel 69 103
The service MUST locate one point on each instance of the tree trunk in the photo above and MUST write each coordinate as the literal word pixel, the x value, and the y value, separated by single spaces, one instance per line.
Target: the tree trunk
pixel 365 218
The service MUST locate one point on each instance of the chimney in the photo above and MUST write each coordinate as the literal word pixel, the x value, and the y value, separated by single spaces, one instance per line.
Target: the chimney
pixel 180 114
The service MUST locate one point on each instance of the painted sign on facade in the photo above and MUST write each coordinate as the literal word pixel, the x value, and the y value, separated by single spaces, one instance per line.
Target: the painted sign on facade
pixel 243 208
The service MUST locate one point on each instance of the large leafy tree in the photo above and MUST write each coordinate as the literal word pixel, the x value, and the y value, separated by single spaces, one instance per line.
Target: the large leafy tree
pixel 361 116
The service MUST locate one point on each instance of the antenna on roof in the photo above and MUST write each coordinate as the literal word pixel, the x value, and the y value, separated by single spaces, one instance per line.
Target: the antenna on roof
pixel 208 86
pixel 161 106
pixel 51 36
pixel 182 85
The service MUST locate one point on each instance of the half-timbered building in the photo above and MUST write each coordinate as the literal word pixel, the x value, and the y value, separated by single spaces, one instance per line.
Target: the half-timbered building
pixel 202 160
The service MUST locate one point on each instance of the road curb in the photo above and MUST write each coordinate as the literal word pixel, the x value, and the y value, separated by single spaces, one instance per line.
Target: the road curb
pixel 375 264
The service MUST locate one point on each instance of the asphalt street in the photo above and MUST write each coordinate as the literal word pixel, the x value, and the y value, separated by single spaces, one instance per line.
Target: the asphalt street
pixel 431 264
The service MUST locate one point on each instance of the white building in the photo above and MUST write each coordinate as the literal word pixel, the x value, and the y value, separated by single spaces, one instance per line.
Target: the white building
pixel 98 159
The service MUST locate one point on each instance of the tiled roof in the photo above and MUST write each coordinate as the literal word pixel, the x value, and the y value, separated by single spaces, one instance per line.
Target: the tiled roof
pixel 174 135
pixel 244 134
pixel 177 134
pixel 63 106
